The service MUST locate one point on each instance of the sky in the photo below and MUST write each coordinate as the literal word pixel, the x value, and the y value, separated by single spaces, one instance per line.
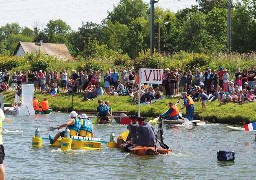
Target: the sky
pixel 37 13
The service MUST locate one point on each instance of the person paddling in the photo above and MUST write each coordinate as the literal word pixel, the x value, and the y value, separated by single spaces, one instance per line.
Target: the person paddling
pixel 189 104
pixel 172 113
pixel 145 134
pixel 73 124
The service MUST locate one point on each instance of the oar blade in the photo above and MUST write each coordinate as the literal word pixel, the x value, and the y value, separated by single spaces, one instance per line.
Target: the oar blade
pixel 7 120
pixel 52 128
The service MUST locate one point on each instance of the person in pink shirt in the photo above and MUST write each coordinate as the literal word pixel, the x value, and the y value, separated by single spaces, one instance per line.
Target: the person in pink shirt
pixel 250 95
pixel 239 82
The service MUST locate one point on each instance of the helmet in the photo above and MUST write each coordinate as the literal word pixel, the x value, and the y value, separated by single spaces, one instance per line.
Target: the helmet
pixel 83 116
pixel 73 114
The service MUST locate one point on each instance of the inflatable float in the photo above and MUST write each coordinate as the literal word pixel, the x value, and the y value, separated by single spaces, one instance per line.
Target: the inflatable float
pixel 69 142
pixel 138 150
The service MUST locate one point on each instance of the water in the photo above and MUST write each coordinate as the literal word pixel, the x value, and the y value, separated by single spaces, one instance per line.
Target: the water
pixel 194 154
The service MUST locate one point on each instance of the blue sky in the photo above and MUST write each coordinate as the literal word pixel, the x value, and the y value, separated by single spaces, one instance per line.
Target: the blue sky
pixel 36 13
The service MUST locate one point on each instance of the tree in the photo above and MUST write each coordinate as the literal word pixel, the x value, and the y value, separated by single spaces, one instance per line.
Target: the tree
pixel 128 10
pixel 243 27
pixel 57 31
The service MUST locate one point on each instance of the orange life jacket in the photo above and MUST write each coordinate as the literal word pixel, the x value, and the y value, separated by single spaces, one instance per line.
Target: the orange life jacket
pixel 190 100
pixel 45 105
pixel 175 111
pixel 36 104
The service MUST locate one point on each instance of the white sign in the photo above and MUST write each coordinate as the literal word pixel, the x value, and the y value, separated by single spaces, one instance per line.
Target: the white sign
pixel 152 76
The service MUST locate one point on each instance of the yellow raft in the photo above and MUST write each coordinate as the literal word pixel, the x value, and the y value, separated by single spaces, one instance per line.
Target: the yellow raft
pixel 74 143
pixel 69 143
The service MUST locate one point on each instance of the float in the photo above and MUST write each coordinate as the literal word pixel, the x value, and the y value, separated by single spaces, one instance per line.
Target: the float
pixel 138 150
pixel 69 142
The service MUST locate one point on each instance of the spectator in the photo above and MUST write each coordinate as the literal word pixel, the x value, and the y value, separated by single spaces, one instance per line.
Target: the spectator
pixel 107 83
pixel 119 88
pixel 114 78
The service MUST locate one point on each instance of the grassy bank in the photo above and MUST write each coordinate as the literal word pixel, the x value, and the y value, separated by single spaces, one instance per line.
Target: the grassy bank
pixel 227 113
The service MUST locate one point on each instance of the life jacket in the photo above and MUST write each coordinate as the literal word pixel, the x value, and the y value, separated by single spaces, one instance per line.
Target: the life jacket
pixel 175 111
pixel 86 128
pixel 102 109
pixel 36 104
pixel 45 105
pixel 75 127
pixel 190 100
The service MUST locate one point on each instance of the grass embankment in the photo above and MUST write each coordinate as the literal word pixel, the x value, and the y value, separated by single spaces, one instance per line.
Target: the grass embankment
pixel 229 113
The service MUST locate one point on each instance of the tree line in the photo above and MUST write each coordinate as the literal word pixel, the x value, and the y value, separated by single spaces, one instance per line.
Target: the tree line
pixel 125 30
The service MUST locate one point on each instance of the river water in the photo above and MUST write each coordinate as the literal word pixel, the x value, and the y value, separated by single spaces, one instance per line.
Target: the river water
pixel 194 154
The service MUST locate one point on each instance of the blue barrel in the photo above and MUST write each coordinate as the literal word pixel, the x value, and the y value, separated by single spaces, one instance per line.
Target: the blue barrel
pixel 226 155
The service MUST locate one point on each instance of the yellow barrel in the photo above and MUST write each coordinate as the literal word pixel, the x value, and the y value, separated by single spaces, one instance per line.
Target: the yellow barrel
pixel 66 144
pixel 37 142
pixel 112 145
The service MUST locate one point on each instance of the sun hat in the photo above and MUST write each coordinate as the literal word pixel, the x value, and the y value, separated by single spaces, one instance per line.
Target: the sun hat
pixel 83 116
pixel 73 114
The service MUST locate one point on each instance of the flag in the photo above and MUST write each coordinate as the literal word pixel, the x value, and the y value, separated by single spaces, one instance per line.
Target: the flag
pixel 54 92
pixel 250 126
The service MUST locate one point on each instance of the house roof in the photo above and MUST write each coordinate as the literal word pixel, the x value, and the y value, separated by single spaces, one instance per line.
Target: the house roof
pixel 58 50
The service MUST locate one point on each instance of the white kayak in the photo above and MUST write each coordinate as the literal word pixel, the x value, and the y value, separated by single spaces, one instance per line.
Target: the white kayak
pixel 182 121
pixel 235 128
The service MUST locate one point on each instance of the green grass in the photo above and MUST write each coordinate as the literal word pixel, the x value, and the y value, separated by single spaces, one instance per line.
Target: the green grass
pixel 227 113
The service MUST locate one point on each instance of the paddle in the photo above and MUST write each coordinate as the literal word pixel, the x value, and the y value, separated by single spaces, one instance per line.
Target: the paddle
pixel 160 134
pixel 7 120
pixel 52 128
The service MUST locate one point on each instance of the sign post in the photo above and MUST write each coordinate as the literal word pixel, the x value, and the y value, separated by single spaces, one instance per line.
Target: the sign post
pixel 149 76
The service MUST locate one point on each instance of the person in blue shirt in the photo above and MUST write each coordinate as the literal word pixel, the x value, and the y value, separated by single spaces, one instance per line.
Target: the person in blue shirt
pixel 114 78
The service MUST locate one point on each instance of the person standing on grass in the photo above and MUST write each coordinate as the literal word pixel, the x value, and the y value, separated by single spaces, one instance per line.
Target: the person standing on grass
pixel 203 97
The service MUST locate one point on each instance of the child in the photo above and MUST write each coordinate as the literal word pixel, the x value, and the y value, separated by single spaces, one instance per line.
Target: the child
pixel 203 97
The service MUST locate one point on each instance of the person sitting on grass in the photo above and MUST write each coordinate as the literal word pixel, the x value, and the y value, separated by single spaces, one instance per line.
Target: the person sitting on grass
pixel 250 95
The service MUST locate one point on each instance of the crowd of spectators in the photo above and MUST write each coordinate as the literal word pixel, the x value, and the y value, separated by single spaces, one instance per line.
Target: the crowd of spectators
pixel 201 85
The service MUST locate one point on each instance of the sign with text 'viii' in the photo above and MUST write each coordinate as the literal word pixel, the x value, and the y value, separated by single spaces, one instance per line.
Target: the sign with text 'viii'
pixel 152 76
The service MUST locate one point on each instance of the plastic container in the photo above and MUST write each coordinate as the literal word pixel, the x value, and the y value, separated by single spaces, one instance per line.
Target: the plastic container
pixel 37 142
pixel 226 155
